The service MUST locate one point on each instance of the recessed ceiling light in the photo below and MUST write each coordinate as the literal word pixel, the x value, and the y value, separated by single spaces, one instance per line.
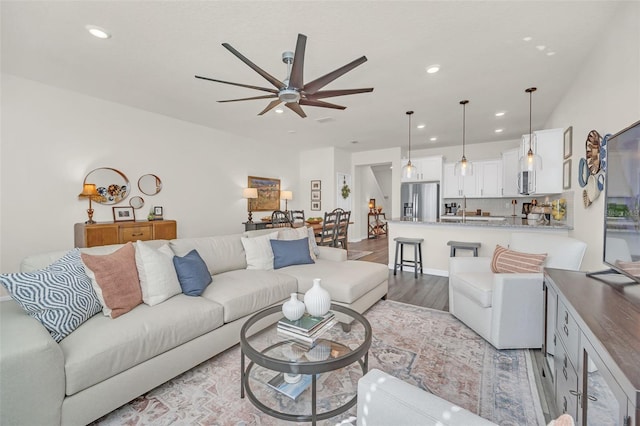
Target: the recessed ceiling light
pixel 432 69
pixel 420 126
pixel 98 32
pixel 551 53
pixel 527 38
pixel 499 114
pixel 541 47
pixel 433 139
pixel 499 130
pixel 279 110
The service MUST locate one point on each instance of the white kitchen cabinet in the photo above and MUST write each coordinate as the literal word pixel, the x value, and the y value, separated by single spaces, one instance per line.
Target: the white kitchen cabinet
pixel 488 178
pixel 510 168
pixel 428 169
pixel 457 186
pixel 549 145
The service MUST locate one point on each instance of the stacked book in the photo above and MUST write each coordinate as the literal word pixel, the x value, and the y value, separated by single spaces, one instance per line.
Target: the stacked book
pixel 308 328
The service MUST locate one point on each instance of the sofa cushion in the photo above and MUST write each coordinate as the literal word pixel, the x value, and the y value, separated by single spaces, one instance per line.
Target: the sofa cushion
pixel 103 347
pixel 477 286
pixel 115 280
pixel 361 277
pixel 220 253
pixel 192 272
pixel 294 252
pixel 158 278
pixel 60 296
pixel 507 261
pixel 246 291
pixel 258 251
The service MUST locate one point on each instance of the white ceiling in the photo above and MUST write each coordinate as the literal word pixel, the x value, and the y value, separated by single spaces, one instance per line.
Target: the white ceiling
pixel 157 47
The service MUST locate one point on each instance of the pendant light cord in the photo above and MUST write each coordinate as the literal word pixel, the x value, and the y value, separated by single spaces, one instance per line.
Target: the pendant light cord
pixel 409 113
pixel 530 90
pixel 464 125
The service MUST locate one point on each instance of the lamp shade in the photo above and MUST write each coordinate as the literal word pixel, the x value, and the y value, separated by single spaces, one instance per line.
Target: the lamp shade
pixel 286 195
pixel 250 193
pixel 88 190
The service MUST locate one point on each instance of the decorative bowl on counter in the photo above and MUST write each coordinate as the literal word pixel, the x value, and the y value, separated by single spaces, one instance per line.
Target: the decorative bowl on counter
pixel 314 220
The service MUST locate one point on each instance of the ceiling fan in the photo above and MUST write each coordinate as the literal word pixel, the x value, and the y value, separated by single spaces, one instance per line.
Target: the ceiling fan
pixel 292 90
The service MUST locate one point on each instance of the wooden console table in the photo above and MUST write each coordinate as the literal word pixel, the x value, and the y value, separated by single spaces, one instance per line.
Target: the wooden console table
pixel 592 347
pixel 376 226
pixel 102 234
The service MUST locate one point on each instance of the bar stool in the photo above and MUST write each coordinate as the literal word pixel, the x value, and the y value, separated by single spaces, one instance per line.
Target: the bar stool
pixel 417 254
pixel 462 245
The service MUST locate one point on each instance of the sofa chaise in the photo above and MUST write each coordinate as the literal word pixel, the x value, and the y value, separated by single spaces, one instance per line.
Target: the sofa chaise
pixel 105 362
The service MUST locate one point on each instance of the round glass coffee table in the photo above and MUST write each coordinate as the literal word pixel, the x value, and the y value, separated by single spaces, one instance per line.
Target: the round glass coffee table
pixel 328 371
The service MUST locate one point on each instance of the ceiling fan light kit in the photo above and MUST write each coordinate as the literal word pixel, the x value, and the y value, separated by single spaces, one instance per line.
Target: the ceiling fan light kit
pixel 292 91
pixel 463 167
pixel 409 170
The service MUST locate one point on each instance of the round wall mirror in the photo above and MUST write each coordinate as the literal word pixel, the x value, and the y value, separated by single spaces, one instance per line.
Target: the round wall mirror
pixel 136 202
pixel 149 184
pixel 112 185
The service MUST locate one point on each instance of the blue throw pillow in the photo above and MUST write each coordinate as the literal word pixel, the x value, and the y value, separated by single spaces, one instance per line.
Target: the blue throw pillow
pixel 60 296
pixel 192 273
pixel 292 252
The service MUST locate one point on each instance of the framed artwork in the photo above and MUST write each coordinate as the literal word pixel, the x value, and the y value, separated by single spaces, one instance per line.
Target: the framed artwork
pixel 124 214
pixel 568 142
pixel 315 205
pixel 157 211
pixel 566 174
pixel 315 196
pixel 268 194
pixel 316 185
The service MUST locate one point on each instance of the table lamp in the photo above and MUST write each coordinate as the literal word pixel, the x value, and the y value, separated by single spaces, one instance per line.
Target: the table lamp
pixel 250 194
pixel 89 191
pixel 372 205
pixel 286 196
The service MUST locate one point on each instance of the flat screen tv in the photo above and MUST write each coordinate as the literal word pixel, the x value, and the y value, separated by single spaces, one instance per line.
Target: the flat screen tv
pixel 620 158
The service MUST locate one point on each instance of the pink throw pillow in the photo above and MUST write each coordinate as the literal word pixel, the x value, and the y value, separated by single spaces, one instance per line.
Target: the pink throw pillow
pixel 511 261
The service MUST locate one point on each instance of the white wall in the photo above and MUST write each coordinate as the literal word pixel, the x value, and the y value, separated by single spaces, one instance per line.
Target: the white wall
pixel 605 96
pixel 473 152
pixel 51 138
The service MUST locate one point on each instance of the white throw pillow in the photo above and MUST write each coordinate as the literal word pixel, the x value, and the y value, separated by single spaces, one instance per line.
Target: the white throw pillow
pixel 259 252
pixel 288 234
pixel 158 278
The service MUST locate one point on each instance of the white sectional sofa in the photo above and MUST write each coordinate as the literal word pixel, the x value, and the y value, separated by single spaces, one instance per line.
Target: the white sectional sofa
pixel 107 362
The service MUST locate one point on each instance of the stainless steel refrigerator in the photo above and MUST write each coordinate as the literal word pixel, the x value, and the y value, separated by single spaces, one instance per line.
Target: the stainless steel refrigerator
pixel 420 201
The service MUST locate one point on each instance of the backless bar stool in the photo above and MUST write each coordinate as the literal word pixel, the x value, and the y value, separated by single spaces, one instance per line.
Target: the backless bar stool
pixel 462 245
pixel 417 254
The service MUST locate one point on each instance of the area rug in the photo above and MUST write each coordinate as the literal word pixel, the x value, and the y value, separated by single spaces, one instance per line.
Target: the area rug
pixel 427 348
pixel 357 254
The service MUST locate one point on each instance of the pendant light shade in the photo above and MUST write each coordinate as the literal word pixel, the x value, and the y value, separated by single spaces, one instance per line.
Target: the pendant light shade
pixel 463 167
pixel 409 170
pixel 530 162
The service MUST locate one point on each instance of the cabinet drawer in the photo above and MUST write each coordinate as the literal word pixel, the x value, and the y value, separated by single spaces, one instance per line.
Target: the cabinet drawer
pixel 136 232
pixel 568 332
pixel 566 384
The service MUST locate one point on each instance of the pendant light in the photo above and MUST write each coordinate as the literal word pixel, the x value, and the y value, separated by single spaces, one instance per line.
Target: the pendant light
pixel 409 170
pixel 463 167
pixel 530 162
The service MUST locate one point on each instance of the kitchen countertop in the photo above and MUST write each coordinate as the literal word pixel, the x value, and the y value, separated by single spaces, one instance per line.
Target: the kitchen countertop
pixel 486 222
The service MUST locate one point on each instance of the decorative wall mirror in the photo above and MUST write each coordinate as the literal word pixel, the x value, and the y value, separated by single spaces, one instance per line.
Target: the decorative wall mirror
pixel 112 185
pixel 136 202
pixel 149 184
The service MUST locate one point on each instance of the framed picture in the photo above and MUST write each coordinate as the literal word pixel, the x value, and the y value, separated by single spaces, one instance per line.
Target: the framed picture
pixel 315 205
pixel 566 174
pixel 268 194
pixel 157 211
pixel 124 214
pixel 568 142
pixel 316 185
pixel 315 196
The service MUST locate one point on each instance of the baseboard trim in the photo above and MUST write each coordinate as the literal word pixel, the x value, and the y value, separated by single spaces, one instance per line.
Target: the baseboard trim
pixel 436 272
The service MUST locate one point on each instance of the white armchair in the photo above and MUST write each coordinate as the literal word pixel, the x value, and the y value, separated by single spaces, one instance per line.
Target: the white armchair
pixel 507 309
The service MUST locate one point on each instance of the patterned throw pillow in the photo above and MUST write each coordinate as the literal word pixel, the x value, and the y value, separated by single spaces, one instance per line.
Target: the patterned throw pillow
pixel 60 296
pixel 511 261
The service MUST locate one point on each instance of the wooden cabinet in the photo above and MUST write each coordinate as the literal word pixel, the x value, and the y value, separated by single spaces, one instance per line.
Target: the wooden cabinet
pixel 597 347
pixel 102 234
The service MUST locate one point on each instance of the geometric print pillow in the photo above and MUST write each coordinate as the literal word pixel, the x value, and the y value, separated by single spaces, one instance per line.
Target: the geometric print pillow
pixel 60 296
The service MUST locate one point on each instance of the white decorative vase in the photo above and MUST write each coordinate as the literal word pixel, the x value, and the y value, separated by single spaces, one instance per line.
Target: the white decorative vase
pixel 293 309
pixel 317 299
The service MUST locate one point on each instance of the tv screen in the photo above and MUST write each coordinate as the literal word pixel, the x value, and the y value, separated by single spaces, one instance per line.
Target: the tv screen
pixel 622 202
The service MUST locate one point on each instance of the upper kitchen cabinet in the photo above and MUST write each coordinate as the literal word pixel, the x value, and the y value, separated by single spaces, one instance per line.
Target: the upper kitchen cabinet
pixel 428 169
pixel 548 144
pixel 510 166
pixel 488 178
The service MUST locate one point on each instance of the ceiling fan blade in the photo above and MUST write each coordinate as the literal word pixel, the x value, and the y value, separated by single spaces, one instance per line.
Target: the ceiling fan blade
pixel 271 79
pixel 331 93
pixel 250 99
pixel 293 106
pixel 317 84
pixel 322 104
pixel 296 78
pixel 271 105
pixel 248 86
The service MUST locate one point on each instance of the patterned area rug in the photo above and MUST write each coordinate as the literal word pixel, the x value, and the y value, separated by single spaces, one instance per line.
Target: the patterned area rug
pixel 357 254
pixel 428 348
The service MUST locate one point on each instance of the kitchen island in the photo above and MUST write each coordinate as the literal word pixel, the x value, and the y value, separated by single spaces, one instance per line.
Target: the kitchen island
pixel 436 234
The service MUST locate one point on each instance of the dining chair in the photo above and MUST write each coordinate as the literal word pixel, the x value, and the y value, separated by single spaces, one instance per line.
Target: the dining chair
pixel 342 229
pixel 297 216
pixel 327 235
pixel 280 219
